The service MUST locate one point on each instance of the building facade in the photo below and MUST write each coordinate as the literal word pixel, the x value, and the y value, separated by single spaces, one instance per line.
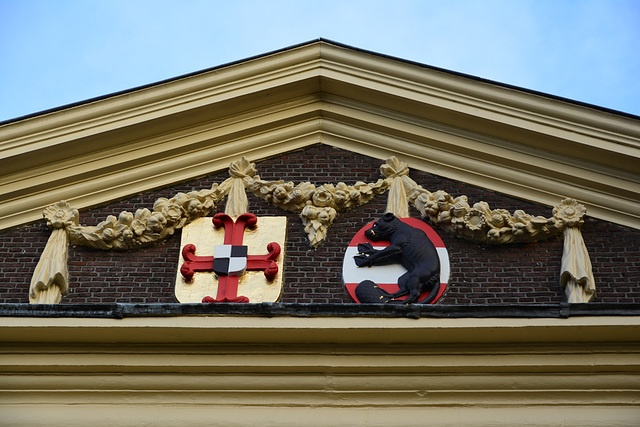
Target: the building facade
pixel 538 324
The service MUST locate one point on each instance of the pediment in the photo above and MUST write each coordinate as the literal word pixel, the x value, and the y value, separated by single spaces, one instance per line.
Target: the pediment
pixel 505 139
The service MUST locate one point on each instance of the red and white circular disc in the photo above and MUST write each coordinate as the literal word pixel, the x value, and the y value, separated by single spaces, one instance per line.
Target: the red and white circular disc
pixel 386 276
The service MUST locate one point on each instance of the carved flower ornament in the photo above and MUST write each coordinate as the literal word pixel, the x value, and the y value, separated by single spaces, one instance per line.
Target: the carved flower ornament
pixel 474 219
pixel 323 196
pixel 139 224
pixel 570 212
pixel 61 215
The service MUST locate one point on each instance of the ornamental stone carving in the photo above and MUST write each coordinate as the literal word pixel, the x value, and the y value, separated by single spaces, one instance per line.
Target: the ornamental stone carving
pixel 576 272
pixel 316 221
pixel 397 176
pixel 570 212
pixel 145 227
pixel 480 222
pixel 51 276
pixel 318 207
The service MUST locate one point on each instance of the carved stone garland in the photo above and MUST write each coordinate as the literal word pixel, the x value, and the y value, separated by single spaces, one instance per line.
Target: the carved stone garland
pixel 318 207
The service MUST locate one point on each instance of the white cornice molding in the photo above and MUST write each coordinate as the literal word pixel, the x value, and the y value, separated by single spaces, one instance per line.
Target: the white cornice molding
pixel 511 141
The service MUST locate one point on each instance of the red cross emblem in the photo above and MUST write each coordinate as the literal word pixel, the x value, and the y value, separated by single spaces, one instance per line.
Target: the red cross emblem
pixel 230 260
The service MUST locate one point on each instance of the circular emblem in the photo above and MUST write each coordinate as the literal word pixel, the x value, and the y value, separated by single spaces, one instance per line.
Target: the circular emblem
pixel 386 273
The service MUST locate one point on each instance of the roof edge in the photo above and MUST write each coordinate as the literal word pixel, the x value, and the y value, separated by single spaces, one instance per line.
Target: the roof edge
pixel 334 43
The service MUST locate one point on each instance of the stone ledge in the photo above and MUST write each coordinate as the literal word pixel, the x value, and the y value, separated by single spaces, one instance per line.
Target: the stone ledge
pixel 119 311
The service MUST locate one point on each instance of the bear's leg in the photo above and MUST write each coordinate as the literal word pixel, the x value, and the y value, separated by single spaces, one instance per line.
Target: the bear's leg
pixel 413 289
pixel 414 292
pixel 403 285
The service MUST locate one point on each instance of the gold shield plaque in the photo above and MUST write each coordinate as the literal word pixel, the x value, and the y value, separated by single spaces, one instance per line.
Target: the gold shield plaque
pixel 252 284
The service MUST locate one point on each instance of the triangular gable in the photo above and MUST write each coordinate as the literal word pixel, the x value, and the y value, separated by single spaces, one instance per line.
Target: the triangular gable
pixel 512 141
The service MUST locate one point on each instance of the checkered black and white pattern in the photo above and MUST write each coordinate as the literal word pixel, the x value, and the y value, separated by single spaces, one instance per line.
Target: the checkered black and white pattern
pixel 229 260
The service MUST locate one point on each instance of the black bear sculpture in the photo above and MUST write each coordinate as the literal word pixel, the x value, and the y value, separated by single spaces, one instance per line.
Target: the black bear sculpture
pixel 408 246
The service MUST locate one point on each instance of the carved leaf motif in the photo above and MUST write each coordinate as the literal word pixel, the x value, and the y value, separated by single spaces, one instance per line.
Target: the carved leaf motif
pixel 317 221
pixel 482 224
pixel 144 227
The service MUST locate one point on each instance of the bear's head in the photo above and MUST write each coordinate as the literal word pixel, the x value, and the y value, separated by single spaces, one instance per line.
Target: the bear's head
pixel 384 228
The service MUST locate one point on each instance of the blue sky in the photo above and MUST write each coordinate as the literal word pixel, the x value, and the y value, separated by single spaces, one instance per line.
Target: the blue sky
pixel 56 52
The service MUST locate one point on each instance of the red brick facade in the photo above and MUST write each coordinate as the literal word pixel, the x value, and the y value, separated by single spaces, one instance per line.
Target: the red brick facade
pixel 480 274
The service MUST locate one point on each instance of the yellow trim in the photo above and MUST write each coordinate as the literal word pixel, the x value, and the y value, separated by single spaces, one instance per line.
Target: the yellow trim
pixel 587 330
pixel 320 371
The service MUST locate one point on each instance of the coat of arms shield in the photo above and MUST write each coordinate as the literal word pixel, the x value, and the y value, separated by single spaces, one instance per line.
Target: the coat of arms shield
pixel 235 266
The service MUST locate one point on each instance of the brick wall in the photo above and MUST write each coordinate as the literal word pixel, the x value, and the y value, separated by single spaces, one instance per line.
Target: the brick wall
pixel 480 274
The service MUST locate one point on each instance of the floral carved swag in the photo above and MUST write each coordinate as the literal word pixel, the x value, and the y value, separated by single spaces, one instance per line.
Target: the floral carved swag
pixel 318 207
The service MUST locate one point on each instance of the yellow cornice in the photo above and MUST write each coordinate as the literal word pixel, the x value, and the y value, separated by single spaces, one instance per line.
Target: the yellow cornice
pixel 500 138
pixel 245 370
pixel 321 330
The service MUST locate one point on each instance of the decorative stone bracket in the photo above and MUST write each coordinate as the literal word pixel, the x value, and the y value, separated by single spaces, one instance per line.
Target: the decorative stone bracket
pixel 318 207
